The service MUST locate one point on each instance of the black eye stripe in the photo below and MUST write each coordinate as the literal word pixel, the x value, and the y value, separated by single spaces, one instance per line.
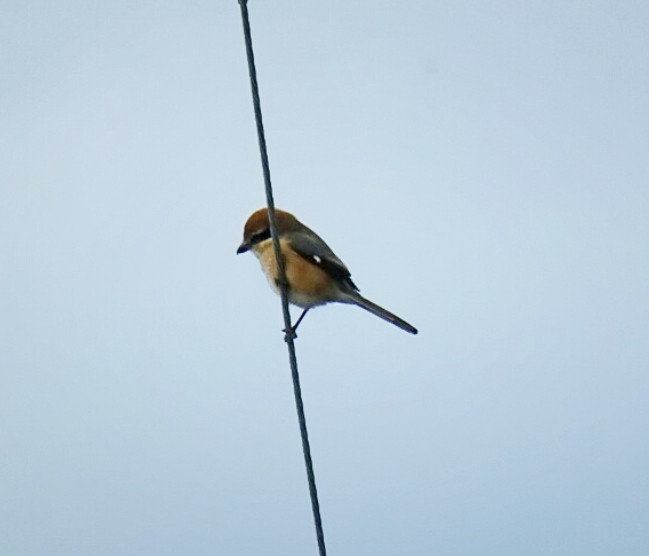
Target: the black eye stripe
pixel 260 236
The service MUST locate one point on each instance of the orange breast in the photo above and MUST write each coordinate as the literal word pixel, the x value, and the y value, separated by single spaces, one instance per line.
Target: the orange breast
pixel 309 285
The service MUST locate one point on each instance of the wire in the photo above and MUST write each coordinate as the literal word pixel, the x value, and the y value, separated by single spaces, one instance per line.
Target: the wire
pixel 289 337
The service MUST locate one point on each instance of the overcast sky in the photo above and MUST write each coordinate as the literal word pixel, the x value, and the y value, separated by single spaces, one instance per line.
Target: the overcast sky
pixel 483 170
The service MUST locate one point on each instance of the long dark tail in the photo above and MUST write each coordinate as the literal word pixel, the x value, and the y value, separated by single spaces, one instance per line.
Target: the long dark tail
pixel 358 299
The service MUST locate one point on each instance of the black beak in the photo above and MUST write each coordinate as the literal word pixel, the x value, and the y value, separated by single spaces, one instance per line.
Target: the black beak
pixel 243 248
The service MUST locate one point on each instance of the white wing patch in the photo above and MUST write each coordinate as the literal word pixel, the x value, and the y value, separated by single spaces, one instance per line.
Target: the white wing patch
pixel 317 259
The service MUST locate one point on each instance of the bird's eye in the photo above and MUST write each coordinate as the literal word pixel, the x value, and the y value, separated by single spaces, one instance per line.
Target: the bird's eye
pixel 258 237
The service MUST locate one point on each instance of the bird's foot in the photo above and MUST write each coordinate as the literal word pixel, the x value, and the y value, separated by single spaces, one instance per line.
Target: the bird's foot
pixel 289 333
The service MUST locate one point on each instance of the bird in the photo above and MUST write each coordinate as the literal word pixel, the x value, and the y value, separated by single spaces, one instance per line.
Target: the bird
pixel 314 274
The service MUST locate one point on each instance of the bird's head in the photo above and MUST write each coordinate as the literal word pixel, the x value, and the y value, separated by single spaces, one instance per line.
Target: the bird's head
pixel 257 228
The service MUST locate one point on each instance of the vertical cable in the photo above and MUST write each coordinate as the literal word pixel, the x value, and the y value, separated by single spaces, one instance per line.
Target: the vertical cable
pixel 306 449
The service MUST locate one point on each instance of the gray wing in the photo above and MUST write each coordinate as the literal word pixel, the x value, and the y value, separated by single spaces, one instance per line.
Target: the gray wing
pixel 309 245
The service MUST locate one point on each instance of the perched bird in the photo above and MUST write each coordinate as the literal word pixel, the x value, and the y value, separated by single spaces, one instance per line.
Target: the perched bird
pixel 314 274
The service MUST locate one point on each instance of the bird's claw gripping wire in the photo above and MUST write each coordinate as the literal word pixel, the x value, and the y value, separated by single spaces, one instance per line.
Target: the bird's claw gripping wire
pixel 289 334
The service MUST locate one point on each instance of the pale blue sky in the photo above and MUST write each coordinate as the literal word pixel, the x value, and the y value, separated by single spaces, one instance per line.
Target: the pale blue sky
pixel 483 170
